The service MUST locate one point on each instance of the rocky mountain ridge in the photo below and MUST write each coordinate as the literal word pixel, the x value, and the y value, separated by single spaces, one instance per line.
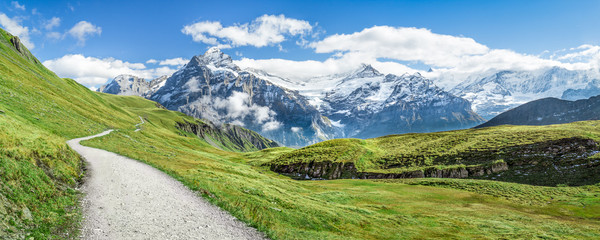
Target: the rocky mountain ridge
pixel 211 87
pixel 363 103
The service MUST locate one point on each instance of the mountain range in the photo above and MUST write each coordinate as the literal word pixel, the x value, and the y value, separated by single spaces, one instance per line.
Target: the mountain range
pixel 363 103
pixel 496 92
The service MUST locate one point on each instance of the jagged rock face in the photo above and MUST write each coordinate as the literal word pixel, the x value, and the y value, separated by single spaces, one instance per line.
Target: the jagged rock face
pixel 156 84
pixel 378 105
pixel 549 111
pixel 497 92
pixel 210 86
pixel 20 47
pixel 130 85
pixel 339 170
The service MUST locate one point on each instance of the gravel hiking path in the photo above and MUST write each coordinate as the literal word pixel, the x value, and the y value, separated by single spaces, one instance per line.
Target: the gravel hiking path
pixel 127 199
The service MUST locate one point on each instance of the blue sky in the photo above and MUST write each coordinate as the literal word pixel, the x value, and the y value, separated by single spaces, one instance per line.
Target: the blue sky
pixel 134 32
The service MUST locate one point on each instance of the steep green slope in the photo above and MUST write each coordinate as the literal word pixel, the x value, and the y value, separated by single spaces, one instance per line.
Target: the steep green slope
pixel 38 176
pixel 541 155
pixel 227 136
pixel 38 172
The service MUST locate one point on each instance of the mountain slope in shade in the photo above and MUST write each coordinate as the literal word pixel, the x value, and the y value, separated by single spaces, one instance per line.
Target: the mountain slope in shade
pixel 549 111
pixel 227 136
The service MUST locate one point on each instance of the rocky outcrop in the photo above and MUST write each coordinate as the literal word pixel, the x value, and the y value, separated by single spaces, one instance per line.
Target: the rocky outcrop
pixel 561 161
pixel 21 49
pixel 338 170
pixel 227 136
pixel 16 42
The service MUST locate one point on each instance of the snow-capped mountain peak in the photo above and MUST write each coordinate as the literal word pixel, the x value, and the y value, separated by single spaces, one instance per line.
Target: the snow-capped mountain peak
pixel 365 71
pixel 127 84
pixel 213 57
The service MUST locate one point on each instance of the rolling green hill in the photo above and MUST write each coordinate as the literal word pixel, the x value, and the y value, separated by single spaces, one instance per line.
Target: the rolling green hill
pixel 39 173
pixel 538 155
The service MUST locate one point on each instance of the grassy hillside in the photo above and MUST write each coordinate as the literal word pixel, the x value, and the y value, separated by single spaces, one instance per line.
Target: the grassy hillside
pixel 541 155
pixel 38 174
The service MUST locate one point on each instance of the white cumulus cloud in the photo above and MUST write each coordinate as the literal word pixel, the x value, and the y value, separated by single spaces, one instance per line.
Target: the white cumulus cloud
pixel 266 30
pixel 302 70
pixel 395 49
pixel 404 44
pixel 14 27
pixel 271 125
pixel 91 71
pixel 176 62
pixel 82 30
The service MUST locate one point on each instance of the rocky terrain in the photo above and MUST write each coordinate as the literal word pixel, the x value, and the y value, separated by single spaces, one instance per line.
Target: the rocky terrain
pixel 370 104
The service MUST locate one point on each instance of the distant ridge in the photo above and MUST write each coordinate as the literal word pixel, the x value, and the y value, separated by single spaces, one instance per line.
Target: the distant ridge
pixel 547 111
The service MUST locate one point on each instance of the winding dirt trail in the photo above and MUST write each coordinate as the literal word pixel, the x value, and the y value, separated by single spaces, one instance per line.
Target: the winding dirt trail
pixel 127 199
